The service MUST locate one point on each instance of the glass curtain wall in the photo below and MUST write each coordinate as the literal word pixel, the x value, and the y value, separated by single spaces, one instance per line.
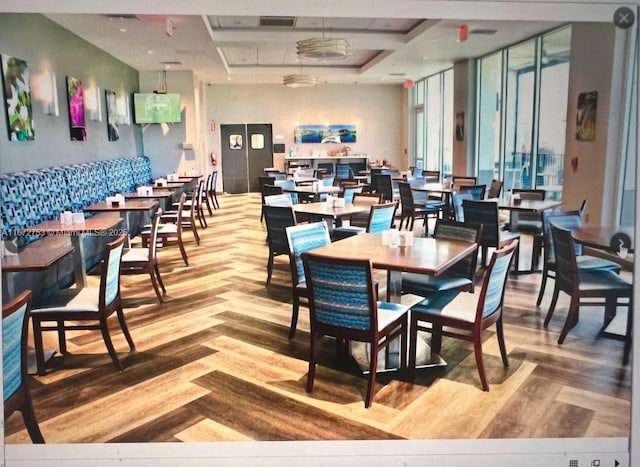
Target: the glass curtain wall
pixel 433 122
pixel 489 104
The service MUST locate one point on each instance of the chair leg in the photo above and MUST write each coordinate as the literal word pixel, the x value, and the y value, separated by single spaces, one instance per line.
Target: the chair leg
pixel 62 338
pixel 501 343
pixel 38 345
pixel 208 202
pixel 125 328
pixel 373 366
pixel 312 361
pixel 104 328
pixel 477 351
pixel 195 233
pixel 413 344
pixel 552 306
pixel 294 317
pixel 183 252
pixel 543 284
pixel 404 334
pixel 572 319
pixel 159 277
pixel 154 282
pixel 29 417
pixel 436 337
pixel 628 335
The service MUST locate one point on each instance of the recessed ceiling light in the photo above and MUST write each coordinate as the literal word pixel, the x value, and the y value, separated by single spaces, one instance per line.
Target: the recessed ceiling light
pixel 123 29
pixel 166 67
pixel 150 52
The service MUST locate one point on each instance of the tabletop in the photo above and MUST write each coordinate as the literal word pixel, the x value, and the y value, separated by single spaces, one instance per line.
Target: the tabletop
pixel 314 189
pixel 323 209
pixel 156 193
pixel 433 187
pixel 599 236
pixel 38 255
pixel 527 205
pixel 426 256
pixel 90 225
pixel 130 205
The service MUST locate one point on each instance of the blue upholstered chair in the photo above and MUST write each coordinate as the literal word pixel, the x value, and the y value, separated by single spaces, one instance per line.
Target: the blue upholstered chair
pixel 457 199
pixel 477 191
pixel 381 218
pixel 464 316
pixel 460 276
pixel 283 199
pixel 17 394
pixel 287 185
pixel 567 220
pixel 301 238
pixel 349 191
pixel 343 304
pixel 593 287
pixel 71 309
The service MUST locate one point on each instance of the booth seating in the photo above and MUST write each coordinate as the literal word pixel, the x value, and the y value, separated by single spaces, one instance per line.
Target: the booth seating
pixel 33 196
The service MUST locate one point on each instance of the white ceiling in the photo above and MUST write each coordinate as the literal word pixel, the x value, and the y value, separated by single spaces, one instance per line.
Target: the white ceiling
pixel 391 40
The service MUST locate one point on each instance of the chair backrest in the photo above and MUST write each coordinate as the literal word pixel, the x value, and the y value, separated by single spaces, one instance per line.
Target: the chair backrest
pixel 406 198
pixel 468 232
pixel 277 219
pixel 491 296
pixel 459 180
pixel 457 199
pixel 341 294
pixel 200 197
pixel 349 192
pixel 367 199
pixel 301 238
pixel 15 327
pixel 477 191
pixel 270 190
pixel 486 214
pixel 344 172
pixel 431 175
pixel 383 184
pixel 566 219
pixel 381 217
pixel 495 189
pixel 214 181
pixel 207 185
pixel 566 267
pixel 262 182
pixel 536 195
pixel 279 175
pixel 282 199
pixel 110 275
pixel 416 172
pixel 180 211
pixel 327 180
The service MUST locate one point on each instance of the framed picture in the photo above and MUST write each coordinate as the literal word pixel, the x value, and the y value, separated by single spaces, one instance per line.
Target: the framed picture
pixel 460 126
pixel 335 133
pixel 75 94
pixel 17 95
pixel 112 115
pixel 235 141
pixel 586 116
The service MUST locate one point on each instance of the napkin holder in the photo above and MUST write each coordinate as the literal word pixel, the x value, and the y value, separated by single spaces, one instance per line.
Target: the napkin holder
pixel 115 201
pixel 160 182
pixel 173 177
pixel 66 218
pixel 77 218
pixel 144 190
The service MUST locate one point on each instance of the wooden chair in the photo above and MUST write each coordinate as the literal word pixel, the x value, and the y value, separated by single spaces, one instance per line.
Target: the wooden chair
pixel 277 219
pixel 380 219
pixel 301 238
pixel 185 216
pixel 262 182
pixel 383 184
pixel 567 220
pixel 363 199
pixel 211 198
pixel 485 213
pixel 169 233
pixel 460 276
pixel 144 260
pixel 411 209
pixel 343 303
pixel 431 175
pixel 477 191
pixel 531 223
pixel 456 200
pixel 71 309
pixel 585 287
pixel 495 189
pixel 16 390
pixel 282 199
pixel 459 180
pixel 349 191
pixel 464 316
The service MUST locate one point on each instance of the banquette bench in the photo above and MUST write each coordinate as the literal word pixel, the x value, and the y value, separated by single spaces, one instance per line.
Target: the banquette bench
pixel 31 197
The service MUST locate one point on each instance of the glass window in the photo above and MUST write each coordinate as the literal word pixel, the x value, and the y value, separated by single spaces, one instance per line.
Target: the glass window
pixel 434 121
pixel 447 123
pixel 488 128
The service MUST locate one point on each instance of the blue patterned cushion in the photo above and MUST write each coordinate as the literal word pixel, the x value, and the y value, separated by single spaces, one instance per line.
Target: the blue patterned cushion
pixel 141 170
pixel 382 219
pixel 305 237
pixel 11 351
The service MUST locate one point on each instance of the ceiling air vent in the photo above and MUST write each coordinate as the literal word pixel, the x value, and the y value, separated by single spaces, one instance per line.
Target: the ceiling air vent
pixel 396 74
pixel 121 17
pixel 278 21
pixel 486 32
pixel 174 62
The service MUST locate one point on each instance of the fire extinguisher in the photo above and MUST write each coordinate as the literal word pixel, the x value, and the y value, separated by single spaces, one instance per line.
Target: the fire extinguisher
pixel 214 159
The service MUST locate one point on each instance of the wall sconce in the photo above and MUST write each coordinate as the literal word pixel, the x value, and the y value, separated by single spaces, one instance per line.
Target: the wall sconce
pixel 122 106
pixel 93 103
pixel 47 92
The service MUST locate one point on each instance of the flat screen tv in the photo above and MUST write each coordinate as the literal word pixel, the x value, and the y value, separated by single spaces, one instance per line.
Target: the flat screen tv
pixel 156 108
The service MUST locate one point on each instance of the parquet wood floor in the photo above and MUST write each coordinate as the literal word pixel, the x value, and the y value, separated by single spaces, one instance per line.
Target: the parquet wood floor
pixel 214 363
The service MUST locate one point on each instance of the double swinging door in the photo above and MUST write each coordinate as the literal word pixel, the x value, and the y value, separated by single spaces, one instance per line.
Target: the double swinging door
pixel 247 150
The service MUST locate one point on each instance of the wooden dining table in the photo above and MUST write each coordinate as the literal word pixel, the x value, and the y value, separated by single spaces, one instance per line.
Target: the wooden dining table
pixel 322 210
pixel 123 210
pixel 426 255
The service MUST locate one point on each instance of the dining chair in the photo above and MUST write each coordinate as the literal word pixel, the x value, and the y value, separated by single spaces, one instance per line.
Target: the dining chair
pixel 72 309
pixel 567 220
pixel 495 189
pixel 456 200
pixel 262 182
pixel 477 191
pixel 343 304
pixel 170 232
pixel 530 223
pixel 186 217
pixel 196 201
pixel 344 172
pixel 287 185
pixel 363 199
pixel 144 260
pixel 211 198
pixel 412 209
pixel 485 213
pixel 349 191
pixel 381 218
pixel 301 238
pixel 460 276
pixel 459 180
pixel 431 176
pixel 585 287
pixel 277 219
pixel 382 183
pixel 464 316
pixel 16 388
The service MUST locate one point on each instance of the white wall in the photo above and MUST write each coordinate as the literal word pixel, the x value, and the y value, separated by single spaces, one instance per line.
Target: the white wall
pixel 378 111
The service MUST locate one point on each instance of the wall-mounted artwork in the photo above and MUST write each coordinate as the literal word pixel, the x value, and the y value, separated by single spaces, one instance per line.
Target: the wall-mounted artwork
pixel 460 126
pixel 325 134
pixel 586 116
pixel 17 95
pixel 112 115
pixel 75 94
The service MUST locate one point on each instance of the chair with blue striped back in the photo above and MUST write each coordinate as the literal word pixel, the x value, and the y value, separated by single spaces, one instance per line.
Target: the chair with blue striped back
pixel 79 306
pixel 464 316
pixel 343 304
pixel 16 390
pixel 301 238
pixel 349 191
pixel 381 218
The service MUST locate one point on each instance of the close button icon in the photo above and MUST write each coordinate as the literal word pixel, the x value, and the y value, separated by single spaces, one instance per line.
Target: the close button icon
pixel 623 17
